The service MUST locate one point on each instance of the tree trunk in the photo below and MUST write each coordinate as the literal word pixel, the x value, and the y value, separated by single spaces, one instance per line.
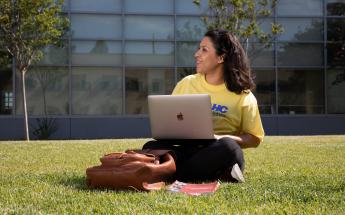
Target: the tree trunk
pixel 247 46
pixel 26 124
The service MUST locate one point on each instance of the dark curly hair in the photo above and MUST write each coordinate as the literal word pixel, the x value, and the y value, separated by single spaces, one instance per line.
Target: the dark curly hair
pixel 237 73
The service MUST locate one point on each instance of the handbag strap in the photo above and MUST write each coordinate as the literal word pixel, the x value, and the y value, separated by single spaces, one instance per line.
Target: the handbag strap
pixel 158 153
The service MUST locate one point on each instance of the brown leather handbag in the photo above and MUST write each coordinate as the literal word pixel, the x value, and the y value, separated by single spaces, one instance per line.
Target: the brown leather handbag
pixel 139 169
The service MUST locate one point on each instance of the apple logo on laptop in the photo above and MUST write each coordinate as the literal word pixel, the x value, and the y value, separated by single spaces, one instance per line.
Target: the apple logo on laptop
pixel 179 116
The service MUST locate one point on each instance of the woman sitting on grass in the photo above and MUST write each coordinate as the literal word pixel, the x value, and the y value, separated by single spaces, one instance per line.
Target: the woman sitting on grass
pixel 223 72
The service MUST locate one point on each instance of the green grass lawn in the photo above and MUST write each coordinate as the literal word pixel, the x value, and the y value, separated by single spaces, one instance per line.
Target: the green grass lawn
pixel 285 175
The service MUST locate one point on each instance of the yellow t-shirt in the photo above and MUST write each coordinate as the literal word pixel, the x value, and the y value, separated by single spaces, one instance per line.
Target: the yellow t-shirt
pixel 232 113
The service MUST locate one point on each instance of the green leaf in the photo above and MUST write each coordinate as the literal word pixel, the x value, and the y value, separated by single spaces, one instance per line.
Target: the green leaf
pixel 197 2
pixel 30 25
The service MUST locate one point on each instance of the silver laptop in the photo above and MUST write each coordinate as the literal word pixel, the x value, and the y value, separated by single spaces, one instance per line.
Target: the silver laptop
pixel 181 116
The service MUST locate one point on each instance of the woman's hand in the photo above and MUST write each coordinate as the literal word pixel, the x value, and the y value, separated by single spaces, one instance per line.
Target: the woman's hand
pixel 244 140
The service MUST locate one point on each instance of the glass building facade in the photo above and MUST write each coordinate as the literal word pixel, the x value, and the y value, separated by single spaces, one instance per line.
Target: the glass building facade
pixel 120 51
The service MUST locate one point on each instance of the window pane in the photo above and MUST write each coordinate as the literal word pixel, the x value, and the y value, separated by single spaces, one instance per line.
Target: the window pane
pixel 188 7
pixel 65 6
pixel 189 28
pixel 183 72
pixel 301 91
pixel 141 82
pixel 265 91
pixel 336 8
pixel 185 53
pixel 100 52
pixel 336 29
pixel 96 26
pixel 265 24
pixel 96 91
pixel 336 46
pixel 6 89
pixel 336 54
pixel 149 54
pixel 149 6
pixel 298 7
pixel 55 55
pixel 260 55
pixel 301 29
pixel 297 54
pixel 336 91
pixel 149 27
pixel 96 6
pixel 46 91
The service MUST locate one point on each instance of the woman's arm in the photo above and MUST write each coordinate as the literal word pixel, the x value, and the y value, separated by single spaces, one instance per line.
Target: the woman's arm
pixel 244 140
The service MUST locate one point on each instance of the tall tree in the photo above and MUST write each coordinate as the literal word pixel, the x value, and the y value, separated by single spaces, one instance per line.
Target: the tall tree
pixel 243 18
pixel 26 27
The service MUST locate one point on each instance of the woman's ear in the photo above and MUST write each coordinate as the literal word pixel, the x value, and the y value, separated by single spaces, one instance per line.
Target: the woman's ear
pixel 221 59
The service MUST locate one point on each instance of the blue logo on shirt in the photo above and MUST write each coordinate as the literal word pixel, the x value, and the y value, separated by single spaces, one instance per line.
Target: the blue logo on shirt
pixel 219 108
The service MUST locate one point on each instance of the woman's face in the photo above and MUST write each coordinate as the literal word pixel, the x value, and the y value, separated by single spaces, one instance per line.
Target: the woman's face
pixel 206 59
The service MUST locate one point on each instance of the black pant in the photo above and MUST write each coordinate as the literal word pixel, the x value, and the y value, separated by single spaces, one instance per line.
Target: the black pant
pixel 201 159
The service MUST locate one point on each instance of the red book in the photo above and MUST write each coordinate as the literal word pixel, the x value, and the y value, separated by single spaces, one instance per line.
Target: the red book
pixel 194 189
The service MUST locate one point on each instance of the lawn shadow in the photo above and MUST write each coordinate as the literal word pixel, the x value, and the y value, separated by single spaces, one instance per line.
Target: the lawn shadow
pixel 79 183
pixel 76 182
